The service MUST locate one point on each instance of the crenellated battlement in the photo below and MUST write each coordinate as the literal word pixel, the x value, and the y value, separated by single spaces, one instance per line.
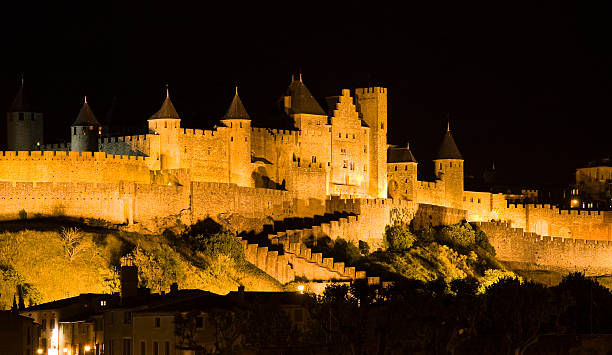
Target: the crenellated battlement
pixel 200 132
pixel 514 244
pixel 74 156
pixel 371 90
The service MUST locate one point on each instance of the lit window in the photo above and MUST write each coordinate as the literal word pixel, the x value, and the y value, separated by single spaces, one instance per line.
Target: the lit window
pixel 344 163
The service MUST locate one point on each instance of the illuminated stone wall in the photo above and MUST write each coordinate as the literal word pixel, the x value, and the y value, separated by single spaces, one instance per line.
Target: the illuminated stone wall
pixel 48 166
pixel 514 244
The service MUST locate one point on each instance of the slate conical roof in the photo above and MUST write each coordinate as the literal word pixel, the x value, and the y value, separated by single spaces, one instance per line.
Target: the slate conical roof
pixel 400 155
pixel 167 109
pixel 302 100
pixel 86 117
pixel 448 147
pixel 236 109
pixel 21 102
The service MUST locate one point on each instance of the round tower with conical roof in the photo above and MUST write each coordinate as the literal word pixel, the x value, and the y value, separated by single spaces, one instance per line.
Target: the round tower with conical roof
pixel 165 124
pixel 86 131
pixel 448 167
pixel 239 142
pixel 24 126
pixel 401 173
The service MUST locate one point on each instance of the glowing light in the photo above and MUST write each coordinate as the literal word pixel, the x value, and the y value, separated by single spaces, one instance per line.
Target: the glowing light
pixel 65 350
pixel 301 288
pixel 87 347
pixel 39 351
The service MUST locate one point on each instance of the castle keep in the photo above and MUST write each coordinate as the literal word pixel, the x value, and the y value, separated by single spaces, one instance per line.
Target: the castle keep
pixel 330 162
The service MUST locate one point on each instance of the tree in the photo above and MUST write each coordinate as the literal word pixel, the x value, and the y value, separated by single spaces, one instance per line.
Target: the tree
pixel 364 248
pixel 72 241
pixel 521 313
pixel 398 238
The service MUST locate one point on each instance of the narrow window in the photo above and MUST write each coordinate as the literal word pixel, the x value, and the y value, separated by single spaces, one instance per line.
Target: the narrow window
pixel 240 124
pixel 157 322
pixel 451 164
pixel 395 168
pixel 339 135
pixel 143 348
pixel 440 166
pixel 344 163
pixel 155 348
pixel 314 159
pixel 127 346
pixel 166 124
pixel 231 139
pixel 167 348
pixel 382 126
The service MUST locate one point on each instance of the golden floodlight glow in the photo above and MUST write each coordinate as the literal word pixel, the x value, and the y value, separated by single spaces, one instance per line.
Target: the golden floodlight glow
pixel 39 351
pixel 87 347
pixel 65 350
pixel 301 288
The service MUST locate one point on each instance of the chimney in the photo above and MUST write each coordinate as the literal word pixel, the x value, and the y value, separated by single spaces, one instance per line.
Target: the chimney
pixel 129 281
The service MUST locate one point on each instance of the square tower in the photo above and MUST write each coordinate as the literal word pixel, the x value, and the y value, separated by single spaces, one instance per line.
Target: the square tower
pixel 372 104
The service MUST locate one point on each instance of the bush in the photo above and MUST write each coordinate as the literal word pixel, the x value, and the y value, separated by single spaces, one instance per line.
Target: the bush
pixel 461 235
pixel 426 234
pixel 364 248
pixel 222 243
pixel 23 214
pixel 346 251
pixel 482 241
pixel 398 238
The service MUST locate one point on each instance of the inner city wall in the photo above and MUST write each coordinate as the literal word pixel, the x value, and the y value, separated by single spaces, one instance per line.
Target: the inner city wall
pixel 516 245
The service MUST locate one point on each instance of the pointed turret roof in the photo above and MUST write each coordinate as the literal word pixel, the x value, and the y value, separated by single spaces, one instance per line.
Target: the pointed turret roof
pixel 400 155
pixel 448 147
pixel 21 102
pixel 302 100
pixel 167 109
pixel 86 117
pixel 236 109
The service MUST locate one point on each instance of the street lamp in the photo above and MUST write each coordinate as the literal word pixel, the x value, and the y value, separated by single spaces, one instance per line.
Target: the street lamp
pixel 87 348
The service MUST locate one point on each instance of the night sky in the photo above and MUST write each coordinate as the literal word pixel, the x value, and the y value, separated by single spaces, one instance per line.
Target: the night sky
pixel 527 86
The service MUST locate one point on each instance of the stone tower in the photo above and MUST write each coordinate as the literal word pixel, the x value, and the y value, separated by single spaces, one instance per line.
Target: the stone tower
pixel 85 131
pixel 402 173
pixel 372 104
pixel 24 126
pixel 166 125
pixel 239 142
pixel 448 167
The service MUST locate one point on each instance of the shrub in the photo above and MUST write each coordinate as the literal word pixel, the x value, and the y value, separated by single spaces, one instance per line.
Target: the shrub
pixel 482 241
pixel 346 251
pixel 493 276
pixel 398 238
pixel 23 214
pixel 461 235
pixel 222 243
pixel 426 234
pixel 364 248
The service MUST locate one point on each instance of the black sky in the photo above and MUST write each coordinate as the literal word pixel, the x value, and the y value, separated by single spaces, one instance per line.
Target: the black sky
pixel 527 86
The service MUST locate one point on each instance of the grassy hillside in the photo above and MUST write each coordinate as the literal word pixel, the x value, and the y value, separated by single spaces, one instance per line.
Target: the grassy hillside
pixel 49 259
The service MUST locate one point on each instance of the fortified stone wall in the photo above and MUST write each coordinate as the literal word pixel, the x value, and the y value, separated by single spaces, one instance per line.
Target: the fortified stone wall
pixel 430 192
pixel 374 215
pixel 50 166
pixel 206 154
pixel 514 244
pixel 89 200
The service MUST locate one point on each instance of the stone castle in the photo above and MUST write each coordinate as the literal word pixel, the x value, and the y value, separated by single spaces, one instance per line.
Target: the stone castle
pixel 335 163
